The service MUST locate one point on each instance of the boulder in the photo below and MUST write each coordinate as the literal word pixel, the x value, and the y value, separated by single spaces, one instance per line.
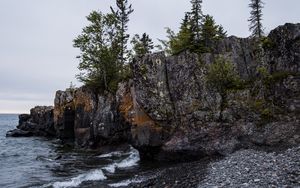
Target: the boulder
pixel 39 122
pixel 18 133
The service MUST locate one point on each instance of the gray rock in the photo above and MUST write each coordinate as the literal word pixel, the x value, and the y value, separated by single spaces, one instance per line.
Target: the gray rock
pixel 183 113
pixel 88 118
pixel 38 123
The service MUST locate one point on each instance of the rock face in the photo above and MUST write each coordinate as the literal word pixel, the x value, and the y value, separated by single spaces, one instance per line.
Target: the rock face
pixel 169 111
pixel 88 118
pixel 38 123
pixel 174 113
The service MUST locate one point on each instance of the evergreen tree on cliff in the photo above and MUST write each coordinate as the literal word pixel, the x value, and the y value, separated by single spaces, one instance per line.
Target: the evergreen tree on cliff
pixel 211 33
pixel 196 19
pixel 183 40
pixel 198 33
pixel 142 45
pixel 99 56
pixel 255 19
pixel 122 15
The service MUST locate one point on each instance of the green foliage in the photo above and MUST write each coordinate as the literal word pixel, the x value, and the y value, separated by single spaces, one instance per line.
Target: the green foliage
pixel 166 44
pixel 222 76
pixel 211 33
pixel 103 48
pixel 198 33
pixel 269 79
pixel 184 39
pixel 98 58
pixel 143 69
pixel 267 43
pixel 255 19
pixel 196 17
pixel 265 109
pixel 121 14
pixel 142 45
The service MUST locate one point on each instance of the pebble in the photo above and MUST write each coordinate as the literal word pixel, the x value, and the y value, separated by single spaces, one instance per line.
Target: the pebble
pixel 244 168
pixel 253 168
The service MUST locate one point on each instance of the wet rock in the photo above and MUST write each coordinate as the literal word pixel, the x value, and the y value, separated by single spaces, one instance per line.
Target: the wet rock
pixel 38 123
pixel 88 118
pixel 18 133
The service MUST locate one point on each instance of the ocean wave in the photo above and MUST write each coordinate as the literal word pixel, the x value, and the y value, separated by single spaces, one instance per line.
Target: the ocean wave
pixel 74 182
pixel 112 154
pixel 125 183
pixel 97 175
pixel 130 161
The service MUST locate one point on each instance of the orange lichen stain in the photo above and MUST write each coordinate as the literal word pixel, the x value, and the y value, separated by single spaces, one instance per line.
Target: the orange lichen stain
pixel 132 112
pixel 126 106
pixel 82 99
pixel 59 109
pixel 142 118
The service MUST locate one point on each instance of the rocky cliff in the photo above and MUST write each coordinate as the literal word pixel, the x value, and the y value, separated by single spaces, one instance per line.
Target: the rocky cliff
pixel 89 118
pixel 176 113
pixel 169 111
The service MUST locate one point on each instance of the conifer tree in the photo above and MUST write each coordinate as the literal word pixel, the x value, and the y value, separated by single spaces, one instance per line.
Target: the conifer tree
pixel 196 18
pixel 211 32
pixel 197 32
pixel 122 13
pixel 255 19
pixel 142 45
pixel 184 39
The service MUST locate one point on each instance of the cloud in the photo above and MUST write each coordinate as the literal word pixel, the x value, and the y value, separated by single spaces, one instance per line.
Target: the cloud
pixel 36 53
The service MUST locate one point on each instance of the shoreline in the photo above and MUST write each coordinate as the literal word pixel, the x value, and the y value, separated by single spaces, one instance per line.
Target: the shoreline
pixel 243 168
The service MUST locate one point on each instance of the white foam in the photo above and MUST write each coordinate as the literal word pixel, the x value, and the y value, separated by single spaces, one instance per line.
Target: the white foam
pixel 110 168
pixel 76 181
pixel 112 154
pixel 131 160
pixel 125 183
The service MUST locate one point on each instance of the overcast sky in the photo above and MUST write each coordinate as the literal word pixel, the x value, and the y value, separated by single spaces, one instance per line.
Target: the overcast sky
pixel 36 53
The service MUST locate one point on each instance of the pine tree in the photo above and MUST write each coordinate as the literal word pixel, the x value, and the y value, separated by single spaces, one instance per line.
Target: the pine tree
pixel 122 15
pixel 211 33
pixel 183 40
pixel 196 18
pixel 255 19
pixel 221 32
pixel 142 45
pixel 197 32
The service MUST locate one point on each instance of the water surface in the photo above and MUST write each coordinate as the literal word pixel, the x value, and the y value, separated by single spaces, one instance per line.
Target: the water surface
pixel 41 162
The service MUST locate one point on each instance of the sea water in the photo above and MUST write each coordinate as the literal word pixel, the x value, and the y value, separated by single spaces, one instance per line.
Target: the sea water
pixel 41 162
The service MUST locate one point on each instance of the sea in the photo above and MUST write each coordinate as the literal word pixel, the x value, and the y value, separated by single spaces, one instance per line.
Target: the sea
pixel 42 162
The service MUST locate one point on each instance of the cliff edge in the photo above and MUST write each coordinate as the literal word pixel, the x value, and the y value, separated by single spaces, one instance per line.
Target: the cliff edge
pixel 171 109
